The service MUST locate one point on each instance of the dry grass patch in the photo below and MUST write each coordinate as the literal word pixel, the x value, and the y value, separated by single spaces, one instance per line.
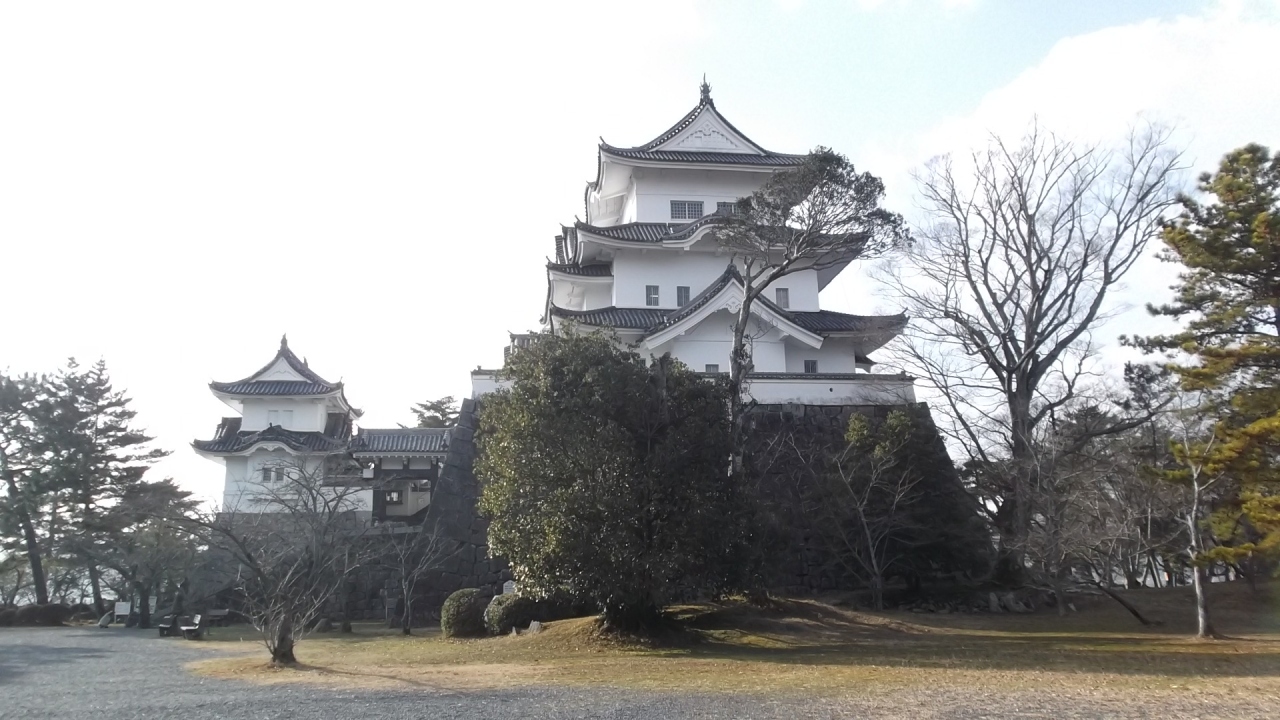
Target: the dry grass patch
pixel 813 647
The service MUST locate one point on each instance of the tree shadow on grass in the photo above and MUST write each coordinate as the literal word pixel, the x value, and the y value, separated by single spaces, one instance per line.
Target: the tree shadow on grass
pixel 1055 653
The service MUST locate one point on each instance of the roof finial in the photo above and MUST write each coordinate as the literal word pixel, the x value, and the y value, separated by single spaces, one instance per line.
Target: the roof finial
pixel 284 342
pixel 706 89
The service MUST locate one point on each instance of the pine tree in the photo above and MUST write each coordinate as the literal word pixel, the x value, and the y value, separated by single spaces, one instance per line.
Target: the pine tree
pixel 442 413
pixel 100 459
pixel 1229 293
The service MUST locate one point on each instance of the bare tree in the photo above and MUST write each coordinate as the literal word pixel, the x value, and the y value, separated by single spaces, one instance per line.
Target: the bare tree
pixel 819 216
pixel 1007 281
pixel 293 545
pixel 866 499
pixel 410 551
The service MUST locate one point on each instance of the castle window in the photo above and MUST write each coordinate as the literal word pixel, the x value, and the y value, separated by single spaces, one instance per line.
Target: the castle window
pixel 651 295
pixel 811 366
pixel 726 208
pixel 713 368
pixel 682 295
pixel 272 475
pixel 783 296
pixel 282 418
pixel 686 209
pixel 394 497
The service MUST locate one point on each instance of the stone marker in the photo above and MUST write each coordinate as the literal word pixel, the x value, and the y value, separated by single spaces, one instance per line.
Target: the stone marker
pixel 535 627
pixel 509 587
pixel 105 620
pixel 993 603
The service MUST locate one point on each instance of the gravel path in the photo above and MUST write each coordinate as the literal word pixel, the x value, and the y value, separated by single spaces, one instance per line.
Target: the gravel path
pixel 107 674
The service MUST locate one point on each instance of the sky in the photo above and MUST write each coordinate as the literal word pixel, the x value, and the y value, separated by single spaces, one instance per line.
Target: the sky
pixel 183 183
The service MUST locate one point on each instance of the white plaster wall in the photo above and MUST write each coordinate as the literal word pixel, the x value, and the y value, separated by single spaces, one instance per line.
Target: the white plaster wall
pixel 485 383
pixel 711 341
pixel 655 188
pixel 597 295
pixel 309 415
pixel 244 477
pixel 668 269
pixel 803 287
pixel 835 356
pixel 866 390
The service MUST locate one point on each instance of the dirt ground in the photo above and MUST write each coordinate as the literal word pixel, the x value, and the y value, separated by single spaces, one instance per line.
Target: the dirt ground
pixel 1099 656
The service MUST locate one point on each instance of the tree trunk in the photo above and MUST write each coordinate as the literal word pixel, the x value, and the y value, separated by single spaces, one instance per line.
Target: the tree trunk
pixel 1125 604
pixel 30 539
pixel 877 592
pixel 1199 578
pixel 143 593
pixel 95 582
pixel 407 618
pixel 282 647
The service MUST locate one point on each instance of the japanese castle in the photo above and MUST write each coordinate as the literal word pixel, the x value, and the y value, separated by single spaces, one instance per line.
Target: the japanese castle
pixel 646 265
pixel 290 420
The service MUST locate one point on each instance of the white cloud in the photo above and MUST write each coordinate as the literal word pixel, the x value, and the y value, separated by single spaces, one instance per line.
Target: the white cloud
pixel 1210 76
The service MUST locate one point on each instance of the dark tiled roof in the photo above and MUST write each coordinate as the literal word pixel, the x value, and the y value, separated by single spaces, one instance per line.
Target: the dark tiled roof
pixel 716 158
pixel 649 232
pixel 597 270
pixel 626 318
pixel 231 439
pixel 274 387
pixel 312 384
pixel 826 321
pixel 401 440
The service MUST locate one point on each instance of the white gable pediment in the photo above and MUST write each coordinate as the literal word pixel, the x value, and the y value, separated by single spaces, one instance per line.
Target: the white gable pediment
pixel 730 298
pixel 280 370
pixel 708 133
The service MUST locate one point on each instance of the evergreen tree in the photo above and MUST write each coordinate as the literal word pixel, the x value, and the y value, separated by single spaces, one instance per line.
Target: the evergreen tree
pixel 604 477
pixel 101 459
pixel 24 504
pixel 1229 294
pixel 442 413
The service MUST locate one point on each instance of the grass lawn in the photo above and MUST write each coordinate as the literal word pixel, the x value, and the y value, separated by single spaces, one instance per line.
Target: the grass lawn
pixel 812 647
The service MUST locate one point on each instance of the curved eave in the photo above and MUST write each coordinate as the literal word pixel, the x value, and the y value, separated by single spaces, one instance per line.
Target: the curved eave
pixel 677 243
pixel 261 444
pixel 569 277
pixel 762 163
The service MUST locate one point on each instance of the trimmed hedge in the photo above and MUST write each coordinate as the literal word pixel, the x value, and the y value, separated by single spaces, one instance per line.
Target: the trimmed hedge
pixel 462 614
pixel 7 617
pixel 506 612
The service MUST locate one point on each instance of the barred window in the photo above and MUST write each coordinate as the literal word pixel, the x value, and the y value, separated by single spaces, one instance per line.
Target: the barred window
pixel 811 366
pixel 682 295
pixel 651 295
pixel 783 296
pixel 713 368
pixel 394 497
pixel 686 209
pixel 726 208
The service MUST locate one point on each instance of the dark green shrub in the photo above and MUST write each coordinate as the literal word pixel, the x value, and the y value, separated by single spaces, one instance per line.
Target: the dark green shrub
pixel 7 617
pixel 462 614
pixel 510 611
pixel 51 614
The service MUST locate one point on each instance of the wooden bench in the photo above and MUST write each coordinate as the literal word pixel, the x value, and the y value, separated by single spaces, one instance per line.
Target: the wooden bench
pixel 193 628
pixel 218 617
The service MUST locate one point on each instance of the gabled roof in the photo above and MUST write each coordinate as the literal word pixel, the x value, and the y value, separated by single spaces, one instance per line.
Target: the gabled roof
pixel 230 439
pixel 822 323
pixel 741 150
pixel 309 384
pixel 401 441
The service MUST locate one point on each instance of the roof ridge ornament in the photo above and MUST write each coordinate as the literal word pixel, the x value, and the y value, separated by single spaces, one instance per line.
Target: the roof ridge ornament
pixel 706 90
pixel 284 341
